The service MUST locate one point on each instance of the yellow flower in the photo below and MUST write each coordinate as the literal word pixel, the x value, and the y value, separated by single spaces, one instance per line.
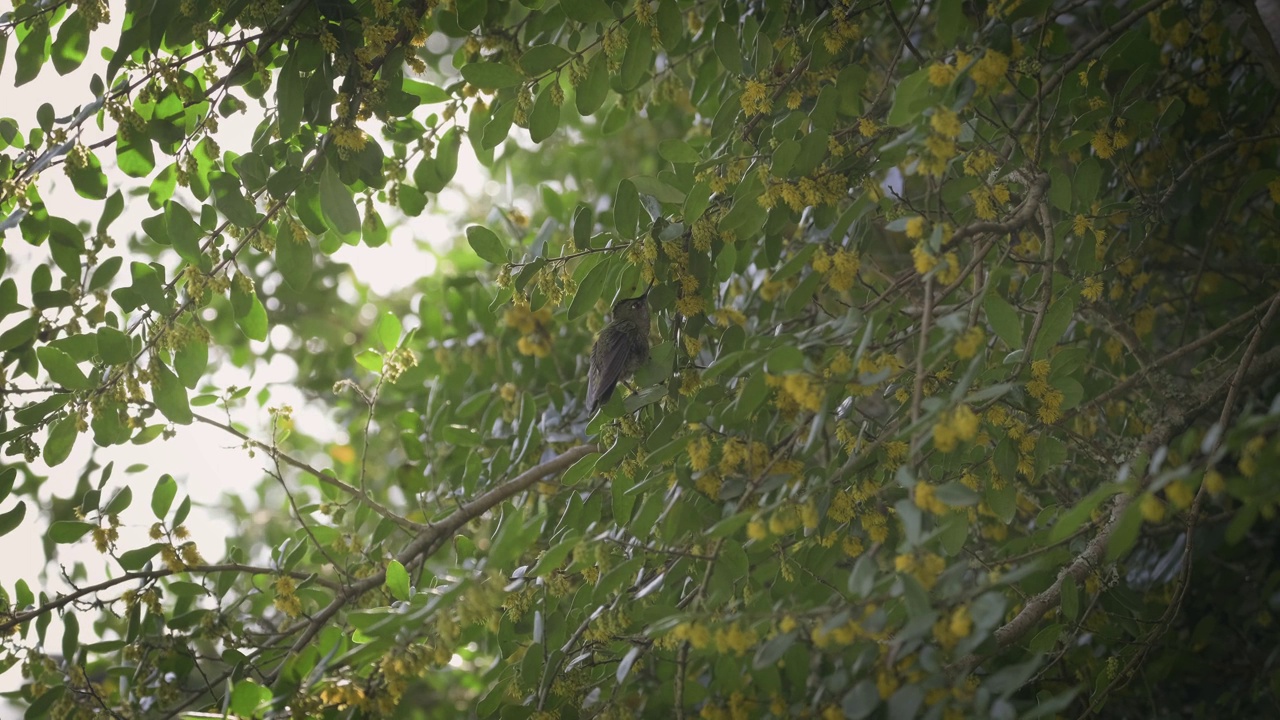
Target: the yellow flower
pixel 1214 482
pixel 961 624
pixel 755 98
pixel 924 261
pixel 945 122
pixel 1092 289
pixel 969 343
pixel 1179 494
pixel 941 74
pixel 867 127
pixel 1151 508
pixel 989 72
pixel 915 226
pixel 700 453
pixel 1102 145
pixel 806 393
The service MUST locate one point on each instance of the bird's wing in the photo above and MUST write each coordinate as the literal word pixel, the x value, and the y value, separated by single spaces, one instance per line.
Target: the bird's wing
pixel 604 376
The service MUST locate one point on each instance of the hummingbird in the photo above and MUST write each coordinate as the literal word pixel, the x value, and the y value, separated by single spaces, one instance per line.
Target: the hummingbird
pixel 621 349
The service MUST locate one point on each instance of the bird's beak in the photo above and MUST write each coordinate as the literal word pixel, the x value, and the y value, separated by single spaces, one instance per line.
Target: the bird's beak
pixel 645 294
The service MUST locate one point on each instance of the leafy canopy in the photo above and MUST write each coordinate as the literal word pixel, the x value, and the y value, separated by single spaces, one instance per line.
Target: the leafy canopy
pixel 960 394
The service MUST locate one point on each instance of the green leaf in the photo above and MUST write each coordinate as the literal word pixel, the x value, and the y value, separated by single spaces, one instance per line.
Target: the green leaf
pixel 169 394
pixel 586 11
pixel 434 173
pixel 369 360
pixel 290 97
pixel 1004 320
pixel 1070 598
pixel 62 438
pixel 105 272
pixel 184 233
pixel 190 361
pixel 229 199
pixel 148 284
pixel 590 289
pixel 114 347
pixel 397 580
pixel 89 180
pixel 120 502
pixel 677 151
pixel 545 117
pixel 1056 320
pixel 486 244
pixel 460 435
pixel 134 154
pixel 162 496
pixel 910 98
pixel 132 560
pixel 388 330
pixel 12 518
pixel 1125 534
pixel 1060 190
pixel 31 54
pixel 18 334
pixel 294 257
pixel 249 312
pixel 338 206
pixel 491 75
pixel 1071 520
pixel 62 369
pixel 1088 178
pixel 626 209
pixel 637 62
pixel 727 43
pixel 7 478
pixel 373 230
pixel 426 93
pixel 594 88
pixel 247 697
pixel 63 532
pixel 541 58
pixel 72 45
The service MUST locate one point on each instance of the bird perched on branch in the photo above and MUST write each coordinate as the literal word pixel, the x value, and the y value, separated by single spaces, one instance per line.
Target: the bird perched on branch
pixel 620 350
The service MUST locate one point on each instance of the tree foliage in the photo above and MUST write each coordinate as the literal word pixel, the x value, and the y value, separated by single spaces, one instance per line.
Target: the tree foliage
pixel 960 398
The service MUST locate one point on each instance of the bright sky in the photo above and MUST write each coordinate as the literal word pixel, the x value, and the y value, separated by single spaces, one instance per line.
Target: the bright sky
pixel 206 462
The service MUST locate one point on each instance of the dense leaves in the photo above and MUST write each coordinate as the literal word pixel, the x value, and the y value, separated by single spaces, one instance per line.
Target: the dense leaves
pixel 961 400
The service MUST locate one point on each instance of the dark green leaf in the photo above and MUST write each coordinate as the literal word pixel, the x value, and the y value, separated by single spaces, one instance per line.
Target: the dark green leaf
pixel 162 497
pixel 397 580
pixel 486 244
pixel 190 361
pixel 62 369
pixel 169 395
pixel 12 518
pixel 491 75
pixel 541 58
pixel 32 53
pixel 120 502
pixel 132 560
pixel 69 531
pixel 1004 320
pixel 595 87
pixel 338 206
pixel 184 233
pixel 294 257
pixel 545 117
